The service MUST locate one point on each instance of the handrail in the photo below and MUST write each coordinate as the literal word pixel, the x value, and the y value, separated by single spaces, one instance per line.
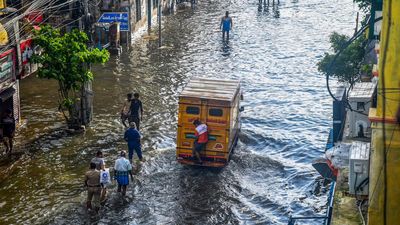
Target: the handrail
pixel 328 216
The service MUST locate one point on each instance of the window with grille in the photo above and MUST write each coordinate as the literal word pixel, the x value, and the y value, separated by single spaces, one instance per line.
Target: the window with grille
pixel 192 110
pixel 215 112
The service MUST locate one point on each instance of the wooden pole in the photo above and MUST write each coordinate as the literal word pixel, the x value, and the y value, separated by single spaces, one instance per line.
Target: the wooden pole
pixel 17 43
pixel 355 31
pixel 149 16
pixel 129 35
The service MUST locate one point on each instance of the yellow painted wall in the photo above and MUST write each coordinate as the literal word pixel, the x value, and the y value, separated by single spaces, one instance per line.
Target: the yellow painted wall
pixel 390 67
pixel 390 37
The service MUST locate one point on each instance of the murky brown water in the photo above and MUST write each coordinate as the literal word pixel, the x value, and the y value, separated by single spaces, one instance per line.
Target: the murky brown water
pixel 285 123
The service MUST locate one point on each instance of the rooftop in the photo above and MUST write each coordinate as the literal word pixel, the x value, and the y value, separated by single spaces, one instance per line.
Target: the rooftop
pixel 217 89
pixel 362 90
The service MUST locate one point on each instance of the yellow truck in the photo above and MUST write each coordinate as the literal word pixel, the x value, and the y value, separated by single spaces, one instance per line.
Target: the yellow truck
pixel 217 104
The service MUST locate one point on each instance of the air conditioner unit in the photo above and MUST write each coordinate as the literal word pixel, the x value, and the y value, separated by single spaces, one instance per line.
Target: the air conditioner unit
pixel 360 102
pixel 359 168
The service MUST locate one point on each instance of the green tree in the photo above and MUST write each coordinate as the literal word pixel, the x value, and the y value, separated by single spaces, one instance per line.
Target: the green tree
pixel 66 59
pixel 347 65
pixel 364 5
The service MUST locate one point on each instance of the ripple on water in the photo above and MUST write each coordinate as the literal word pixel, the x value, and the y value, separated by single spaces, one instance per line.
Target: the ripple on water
pixel 287 114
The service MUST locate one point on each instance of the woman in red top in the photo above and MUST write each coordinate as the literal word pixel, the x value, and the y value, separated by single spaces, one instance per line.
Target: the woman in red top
pixel 201 139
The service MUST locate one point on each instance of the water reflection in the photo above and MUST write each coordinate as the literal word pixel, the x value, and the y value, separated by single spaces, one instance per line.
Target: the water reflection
pixel 285 123
pixel 265 5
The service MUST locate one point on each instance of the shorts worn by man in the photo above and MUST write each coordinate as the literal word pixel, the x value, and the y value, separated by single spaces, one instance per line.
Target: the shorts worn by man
pixel 201 134
pixel 92 182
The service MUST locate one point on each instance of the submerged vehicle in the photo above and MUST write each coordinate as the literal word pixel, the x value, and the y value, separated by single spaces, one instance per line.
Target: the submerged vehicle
pixel 217 104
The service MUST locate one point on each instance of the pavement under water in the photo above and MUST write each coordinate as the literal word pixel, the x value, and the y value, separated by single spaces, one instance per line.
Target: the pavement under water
pixel 273 50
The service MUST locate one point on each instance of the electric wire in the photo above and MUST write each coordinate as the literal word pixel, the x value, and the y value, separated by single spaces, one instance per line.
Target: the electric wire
pixel 40 5
pixel 56 11
pixel 33 8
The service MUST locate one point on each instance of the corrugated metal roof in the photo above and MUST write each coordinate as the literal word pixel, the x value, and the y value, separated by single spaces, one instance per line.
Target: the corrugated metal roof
pixel 363 90
pixel 217 89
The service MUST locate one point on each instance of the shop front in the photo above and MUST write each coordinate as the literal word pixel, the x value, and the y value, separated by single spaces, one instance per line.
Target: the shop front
pixel 9 86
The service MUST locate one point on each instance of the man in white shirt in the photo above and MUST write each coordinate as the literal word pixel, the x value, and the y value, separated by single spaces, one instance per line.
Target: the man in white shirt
pixel 122 170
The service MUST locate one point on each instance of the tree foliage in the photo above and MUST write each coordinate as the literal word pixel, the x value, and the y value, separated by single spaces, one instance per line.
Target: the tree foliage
pixel 347 65
pixel 364 5
pixel 66 58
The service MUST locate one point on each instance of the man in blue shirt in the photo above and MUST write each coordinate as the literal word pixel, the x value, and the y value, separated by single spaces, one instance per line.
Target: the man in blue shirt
pixel 132 136
pixel 226 25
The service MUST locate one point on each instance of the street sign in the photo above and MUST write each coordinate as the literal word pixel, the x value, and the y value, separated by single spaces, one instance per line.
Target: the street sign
pixel 121 17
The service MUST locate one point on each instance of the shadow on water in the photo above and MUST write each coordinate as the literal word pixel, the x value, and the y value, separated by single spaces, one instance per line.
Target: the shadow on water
pixel 226 47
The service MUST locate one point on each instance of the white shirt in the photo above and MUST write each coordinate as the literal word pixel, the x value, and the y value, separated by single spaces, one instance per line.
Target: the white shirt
pixel 202 128
pixel 122 164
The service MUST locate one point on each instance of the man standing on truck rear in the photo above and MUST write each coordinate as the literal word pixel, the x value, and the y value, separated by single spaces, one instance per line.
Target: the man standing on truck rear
pixel 201 139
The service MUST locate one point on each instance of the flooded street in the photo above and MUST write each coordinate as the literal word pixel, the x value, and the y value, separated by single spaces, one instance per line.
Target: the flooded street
pixel 285 124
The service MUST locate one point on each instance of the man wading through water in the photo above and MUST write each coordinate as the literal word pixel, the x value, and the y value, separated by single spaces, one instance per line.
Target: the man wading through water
pixel 7 130
pixel 226 26
pixel 132 136
pixel 136 111
pixel 100 166
pixel 122 171
pixel 201 139
pixel 92 182
pixel 125 109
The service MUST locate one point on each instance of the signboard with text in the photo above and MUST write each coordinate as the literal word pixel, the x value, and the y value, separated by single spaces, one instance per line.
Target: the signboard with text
pixel 121 17
pixel 7 65
pixel 27 50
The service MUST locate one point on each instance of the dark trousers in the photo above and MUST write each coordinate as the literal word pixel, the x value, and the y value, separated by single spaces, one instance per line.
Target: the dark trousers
pixel 227 34
pixel 136 120
pixel 135 147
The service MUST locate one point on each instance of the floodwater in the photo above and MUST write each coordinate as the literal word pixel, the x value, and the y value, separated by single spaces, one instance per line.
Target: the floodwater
pixel 273 50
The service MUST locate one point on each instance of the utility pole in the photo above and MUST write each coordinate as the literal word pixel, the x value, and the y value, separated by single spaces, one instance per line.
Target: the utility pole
pixel 17 43
pixel 86 103
pixel 159 23
pixel 356 29
pixel 149 16
pixel 129 35
pixel 86 16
